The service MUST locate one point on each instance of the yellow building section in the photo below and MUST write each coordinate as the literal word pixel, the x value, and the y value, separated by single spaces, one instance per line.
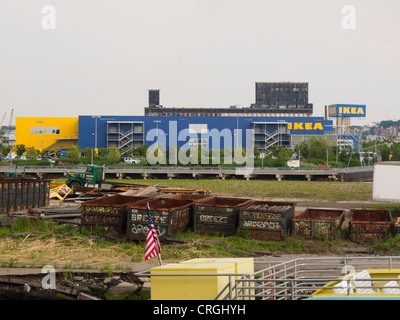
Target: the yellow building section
pixel 192 282
pixel 42 133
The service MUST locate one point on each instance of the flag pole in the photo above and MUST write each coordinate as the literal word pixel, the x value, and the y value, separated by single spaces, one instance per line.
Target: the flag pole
pixel 156 247
pixel 159 256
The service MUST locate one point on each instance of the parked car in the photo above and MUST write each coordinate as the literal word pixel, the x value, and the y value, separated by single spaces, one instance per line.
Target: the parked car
pixel 131 160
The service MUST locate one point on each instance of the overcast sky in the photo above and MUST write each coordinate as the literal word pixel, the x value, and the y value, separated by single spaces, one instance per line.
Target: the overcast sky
pixel 103 56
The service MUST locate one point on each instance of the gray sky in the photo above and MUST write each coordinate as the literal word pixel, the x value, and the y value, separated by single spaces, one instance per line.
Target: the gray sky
pixel 103 56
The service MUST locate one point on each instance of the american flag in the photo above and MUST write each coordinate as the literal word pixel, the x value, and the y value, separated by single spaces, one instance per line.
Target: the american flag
pixel 153 247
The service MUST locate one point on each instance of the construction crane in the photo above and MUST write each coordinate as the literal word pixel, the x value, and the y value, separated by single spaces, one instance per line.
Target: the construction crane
pixel 11 118
pixel 2 121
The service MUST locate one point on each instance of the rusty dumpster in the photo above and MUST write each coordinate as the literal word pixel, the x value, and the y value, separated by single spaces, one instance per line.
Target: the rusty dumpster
pixel 170 216
pixel 397 226
pixel 217 215
pixel 23 193
pixel 370 225
pixel 317 223
pixel 108 213
pixel 266 220
pixel 191 197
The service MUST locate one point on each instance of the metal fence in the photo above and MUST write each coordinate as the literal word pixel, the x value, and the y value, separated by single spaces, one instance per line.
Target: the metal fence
pixel 299 278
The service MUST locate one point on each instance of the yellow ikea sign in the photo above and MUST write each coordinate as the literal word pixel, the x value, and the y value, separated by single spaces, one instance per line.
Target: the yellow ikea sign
pixel 352 110
pixel 305 126
pixel 348 110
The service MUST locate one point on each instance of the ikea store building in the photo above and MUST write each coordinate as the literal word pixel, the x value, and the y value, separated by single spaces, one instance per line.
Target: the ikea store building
pixel 281 116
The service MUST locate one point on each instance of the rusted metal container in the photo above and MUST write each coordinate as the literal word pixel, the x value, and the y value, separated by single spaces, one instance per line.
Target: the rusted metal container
pixel 266 220
pixel 21 193
pixel 317 223
pixel 217 215
pixel 370 225
pixel 108 213
pixel 170 216
pixel 191 197
pixel 397 226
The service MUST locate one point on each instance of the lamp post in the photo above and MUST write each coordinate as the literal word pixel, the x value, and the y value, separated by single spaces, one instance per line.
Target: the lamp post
pixel 95 130
pixel 40 135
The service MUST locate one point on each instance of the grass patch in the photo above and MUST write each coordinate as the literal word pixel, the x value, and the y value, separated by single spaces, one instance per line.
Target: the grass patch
pixel 304 190
pixel 77 250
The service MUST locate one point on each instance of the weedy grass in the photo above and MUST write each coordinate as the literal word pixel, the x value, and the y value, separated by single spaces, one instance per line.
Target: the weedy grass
pixel 302 190
pixel 35 243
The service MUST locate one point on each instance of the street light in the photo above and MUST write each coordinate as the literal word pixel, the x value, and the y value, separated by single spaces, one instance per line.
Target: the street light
pixel 40 135
pixel 95 130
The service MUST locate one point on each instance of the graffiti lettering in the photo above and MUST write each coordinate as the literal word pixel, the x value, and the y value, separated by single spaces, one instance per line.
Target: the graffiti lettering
pixel 262 224
pixel 262 215
pixel 101 220
pixel 109 210
pixel 214 219
pixel 140 229
pixel 302 228
pixel 144 218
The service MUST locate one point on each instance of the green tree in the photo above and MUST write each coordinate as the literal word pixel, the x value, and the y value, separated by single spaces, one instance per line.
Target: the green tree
pixel 4 150
pixel 142 150
pixel 283 156
pixel 20 149
pixel 303 149
pixel 114 156
pixel 31 154
pixel 87 152
pixel 385 152
pixel 103 152
pixel 74 153
pixel 317 148
pixel 128 151
pixel 396 151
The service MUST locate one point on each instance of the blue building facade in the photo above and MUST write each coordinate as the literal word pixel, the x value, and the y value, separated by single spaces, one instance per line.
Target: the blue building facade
pixel 133 131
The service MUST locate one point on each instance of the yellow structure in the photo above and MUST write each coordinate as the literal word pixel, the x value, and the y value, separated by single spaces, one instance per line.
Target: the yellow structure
pixel 242 266
pixel 197 287
pixel 372 284
pixel 44 133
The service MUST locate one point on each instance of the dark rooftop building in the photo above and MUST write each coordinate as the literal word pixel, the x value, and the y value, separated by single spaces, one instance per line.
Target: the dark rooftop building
pixel 273 99
pixel 287 95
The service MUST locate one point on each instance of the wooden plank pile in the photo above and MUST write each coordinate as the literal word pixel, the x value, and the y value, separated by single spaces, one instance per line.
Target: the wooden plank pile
pixel 66 214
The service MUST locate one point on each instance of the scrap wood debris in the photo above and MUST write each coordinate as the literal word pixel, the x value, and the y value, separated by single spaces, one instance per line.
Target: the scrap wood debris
pixel 69 214
pixel 60 192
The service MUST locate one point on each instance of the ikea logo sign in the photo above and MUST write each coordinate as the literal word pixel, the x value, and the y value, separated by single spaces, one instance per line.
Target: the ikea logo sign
pixel 352 110
pixel 346 110
pixel 308 126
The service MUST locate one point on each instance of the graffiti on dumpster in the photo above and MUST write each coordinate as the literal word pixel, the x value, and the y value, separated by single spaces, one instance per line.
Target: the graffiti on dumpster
pixel 213 219
pixel 262 215
pixel 101 220
pixel 270 225
pixel 302 228
pixel 101 210
pixel 137 217
pixel 141 229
